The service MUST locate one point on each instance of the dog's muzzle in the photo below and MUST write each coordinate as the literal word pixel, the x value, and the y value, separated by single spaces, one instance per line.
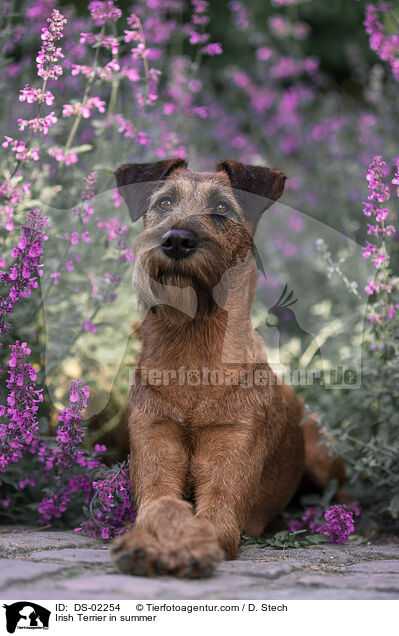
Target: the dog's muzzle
pixel 179 243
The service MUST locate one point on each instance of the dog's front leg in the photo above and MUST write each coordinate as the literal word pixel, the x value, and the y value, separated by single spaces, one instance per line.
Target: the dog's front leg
pixel 166 538
pixel 227 466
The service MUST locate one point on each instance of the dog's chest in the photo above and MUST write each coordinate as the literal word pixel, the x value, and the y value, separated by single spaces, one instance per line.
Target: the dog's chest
pixel 196 407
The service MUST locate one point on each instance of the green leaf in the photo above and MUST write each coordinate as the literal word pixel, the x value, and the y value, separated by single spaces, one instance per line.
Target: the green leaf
pixel 314 539
pixel 82 148
pixel 298 532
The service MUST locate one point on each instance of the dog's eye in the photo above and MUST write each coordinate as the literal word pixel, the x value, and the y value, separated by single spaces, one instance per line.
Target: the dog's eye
pixel 164 204
pixel 222 208
pixel 225 210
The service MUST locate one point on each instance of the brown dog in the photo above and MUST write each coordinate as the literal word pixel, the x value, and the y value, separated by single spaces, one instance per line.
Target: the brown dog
pixel 213 456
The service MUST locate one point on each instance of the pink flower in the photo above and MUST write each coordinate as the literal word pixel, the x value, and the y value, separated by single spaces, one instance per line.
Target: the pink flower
pixel 395 180
pixel 133 21
pixel 378 190
pixel 49 54
pixel 75 238
pixel 339 524
pixel 264 53
pixel 117 199
pixel 131 74
pixel 84 109
pixel 371 287
pixel 38 124
pixel 20 149
pixel 101 12
pixel 114 228
pixel 22 277
pixel 88 326
pixel 295 525
pixel 386 46
pixel 105 533
pixel 212 49
pixel 81 69
pixel 32 95
pixel 68 158
pixel 124 126
pixel 381 214
pixel 196 38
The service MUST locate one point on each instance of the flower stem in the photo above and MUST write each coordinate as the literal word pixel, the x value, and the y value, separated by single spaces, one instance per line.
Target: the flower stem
pixel 86 94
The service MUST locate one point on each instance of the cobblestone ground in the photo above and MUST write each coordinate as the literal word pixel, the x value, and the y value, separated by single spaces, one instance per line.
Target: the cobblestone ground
pixel 62 565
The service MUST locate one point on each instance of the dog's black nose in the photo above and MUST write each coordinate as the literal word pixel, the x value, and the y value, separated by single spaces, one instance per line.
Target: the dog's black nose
pixel 179 243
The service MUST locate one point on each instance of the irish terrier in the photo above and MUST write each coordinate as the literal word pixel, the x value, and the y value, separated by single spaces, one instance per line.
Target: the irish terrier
pixel 218 445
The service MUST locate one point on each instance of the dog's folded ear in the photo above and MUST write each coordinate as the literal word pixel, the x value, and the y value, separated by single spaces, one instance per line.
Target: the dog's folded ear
pixel 137 181
pixel 266 184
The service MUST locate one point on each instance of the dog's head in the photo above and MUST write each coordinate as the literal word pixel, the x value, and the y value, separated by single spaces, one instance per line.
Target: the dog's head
pixel 197 227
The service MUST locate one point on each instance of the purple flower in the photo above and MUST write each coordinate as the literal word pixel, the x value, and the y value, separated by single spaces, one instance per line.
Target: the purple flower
pixel 84 109
pixel 21 150
pixel 55 506
pixel 101 12
pixel 339 521
pixel 85 209
pixel 38 124
pixel 356 508
pixel 378 190
pixel 375 209
pixel 311 514
pixel 22 277
pixel 240 15
pixel 32 95
pixel 112 506
pixel 49 54
pixel 212 49
pixel 19 428
pixel 295 525
pixel 386 46
pixel 89 326
pixel 339 524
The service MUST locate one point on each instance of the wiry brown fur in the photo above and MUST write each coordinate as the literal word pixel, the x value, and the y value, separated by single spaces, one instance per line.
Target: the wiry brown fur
pixel 207 461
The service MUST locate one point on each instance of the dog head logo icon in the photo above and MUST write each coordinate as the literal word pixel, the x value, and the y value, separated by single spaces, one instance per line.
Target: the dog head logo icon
pixel 27 615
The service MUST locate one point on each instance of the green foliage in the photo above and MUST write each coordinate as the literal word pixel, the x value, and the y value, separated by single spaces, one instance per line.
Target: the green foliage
pixel 363 424
pixel 285 539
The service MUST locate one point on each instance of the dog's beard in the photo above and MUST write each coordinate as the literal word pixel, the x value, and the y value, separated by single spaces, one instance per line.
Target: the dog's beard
pixel 176 287
pixel 153 293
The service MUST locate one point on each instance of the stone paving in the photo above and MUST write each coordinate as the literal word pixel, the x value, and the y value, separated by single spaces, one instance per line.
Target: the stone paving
pixel 38 564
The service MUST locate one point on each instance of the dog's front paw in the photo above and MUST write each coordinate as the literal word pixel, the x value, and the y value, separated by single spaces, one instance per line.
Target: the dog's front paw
pixel 136 552
pixel 194 555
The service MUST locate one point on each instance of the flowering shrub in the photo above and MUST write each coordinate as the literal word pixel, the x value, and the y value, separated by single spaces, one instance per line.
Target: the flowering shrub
pixel 163 79
pixel 363 425
pixel 19 279
pixel 313 528
pixel 386 46
pixel 70 471
pixel 336 523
